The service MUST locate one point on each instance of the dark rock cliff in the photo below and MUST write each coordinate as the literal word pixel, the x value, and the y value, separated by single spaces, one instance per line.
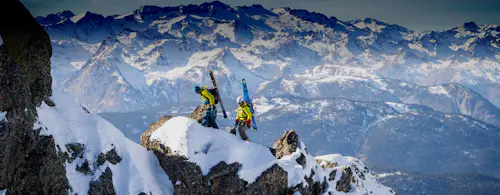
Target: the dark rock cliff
pixel 29 163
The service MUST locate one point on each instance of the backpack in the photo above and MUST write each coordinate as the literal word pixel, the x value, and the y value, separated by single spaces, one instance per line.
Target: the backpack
pixel 215 93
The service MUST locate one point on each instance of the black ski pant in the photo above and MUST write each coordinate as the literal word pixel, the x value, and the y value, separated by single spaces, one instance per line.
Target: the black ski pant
pixel 242 129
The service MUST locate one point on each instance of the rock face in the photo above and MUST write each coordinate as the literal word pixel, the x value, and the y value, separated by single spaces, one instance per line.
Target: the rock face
pixel 29 163
pixel 28 45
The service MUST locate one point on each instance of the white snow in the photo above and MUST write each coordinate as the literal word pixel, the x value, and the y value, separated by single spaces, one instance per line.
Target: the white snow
pixel 438 90
pixel 3 192
pixel 381 175
pixel 138 171
pixel 226 31
pixel 420 48
pixel 77 65
pixel 78 17
pixel 372 26
pixel 2 115
pixel 123 16
pixel 401 108
pixel 337 158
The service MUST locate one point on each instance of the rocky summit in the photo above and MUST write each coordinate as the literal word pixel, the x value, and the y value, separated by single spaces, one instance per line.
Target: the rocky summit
pixel 199 160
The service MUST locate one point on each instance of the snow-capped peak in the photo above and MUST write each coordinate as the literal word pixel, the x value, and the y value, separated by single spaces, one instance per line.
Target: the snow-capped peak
pixel 78 17
pixel 86 16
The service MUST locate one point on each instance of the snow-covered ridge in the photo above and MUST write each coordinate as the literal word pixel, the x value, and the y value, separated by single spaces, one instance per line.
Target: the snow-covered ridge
pixel 208 147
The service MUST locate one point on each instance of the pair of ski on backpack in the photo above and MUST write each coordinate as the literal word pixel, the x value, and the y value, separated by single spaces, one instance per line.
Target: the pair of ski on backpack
pixel 215 92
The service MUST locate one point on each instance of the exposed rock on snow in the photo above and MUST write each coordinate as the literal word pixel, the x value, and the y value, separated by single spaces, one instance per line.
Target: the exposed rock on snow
pixel 286 144
pixel 110 156
pixel 198 113
pixel 104 185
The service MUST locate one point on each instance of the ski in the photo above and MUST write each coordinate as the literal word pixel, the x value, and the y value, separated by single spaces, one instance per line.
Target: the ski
pixel 218 94
pixel 247 99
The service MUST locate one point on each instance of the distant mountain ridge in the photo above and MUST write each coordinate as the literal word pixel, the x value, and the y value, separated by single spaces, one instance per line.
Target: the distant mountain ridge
pixel 151 52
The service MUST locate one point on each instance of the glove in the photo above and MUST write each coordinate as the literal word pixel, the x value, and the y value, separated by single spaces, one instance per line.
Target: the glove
pixel 236 123
pixel 248 123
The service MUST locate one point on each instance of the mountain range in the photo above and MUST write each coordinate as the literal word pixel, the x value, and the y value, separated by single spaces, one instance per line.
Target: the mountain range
pixel 153 50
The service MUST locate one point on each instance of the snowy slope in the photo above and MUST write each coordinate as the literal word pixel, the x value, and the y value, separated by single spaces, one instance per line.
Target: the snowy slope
pixel 207 147
pixel 138 171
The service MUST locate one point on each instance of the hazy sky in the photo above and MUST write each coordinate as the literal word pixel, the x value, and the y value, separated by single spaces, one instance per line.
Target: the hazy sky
pixel 413 14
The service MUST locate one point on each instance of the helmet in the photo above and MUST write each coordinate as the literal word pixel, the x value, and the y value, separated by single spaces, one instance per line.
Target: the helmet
pixel 196 88
pixel 239 99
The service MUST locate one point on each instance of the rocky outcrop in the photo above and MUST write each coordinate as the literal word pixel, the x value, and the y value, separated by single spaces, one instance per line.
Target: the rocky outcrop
pixel 224 179
pixel 286 144
pixel 272 181
pixel 29 163
pixel 110 156
pixel 187 177
pixel 104 185
pixel 344 184
pixel 146 135
pixel 198 113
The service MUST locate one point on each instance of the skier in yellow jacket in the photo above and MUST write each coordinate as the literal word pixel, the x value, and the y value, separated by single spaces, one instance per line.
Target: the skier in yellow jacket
pixel 210 109
pixel 243 119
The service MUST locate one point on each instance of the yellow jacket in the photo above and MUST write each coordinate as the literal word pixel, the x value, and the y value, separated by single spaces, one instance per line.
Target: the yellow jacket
pixel 244 112
pixel 207 97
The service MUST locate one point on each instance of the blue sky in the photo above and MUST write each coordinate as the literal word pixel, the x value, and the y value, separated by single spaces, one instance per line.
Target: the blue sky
pixel 416 15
